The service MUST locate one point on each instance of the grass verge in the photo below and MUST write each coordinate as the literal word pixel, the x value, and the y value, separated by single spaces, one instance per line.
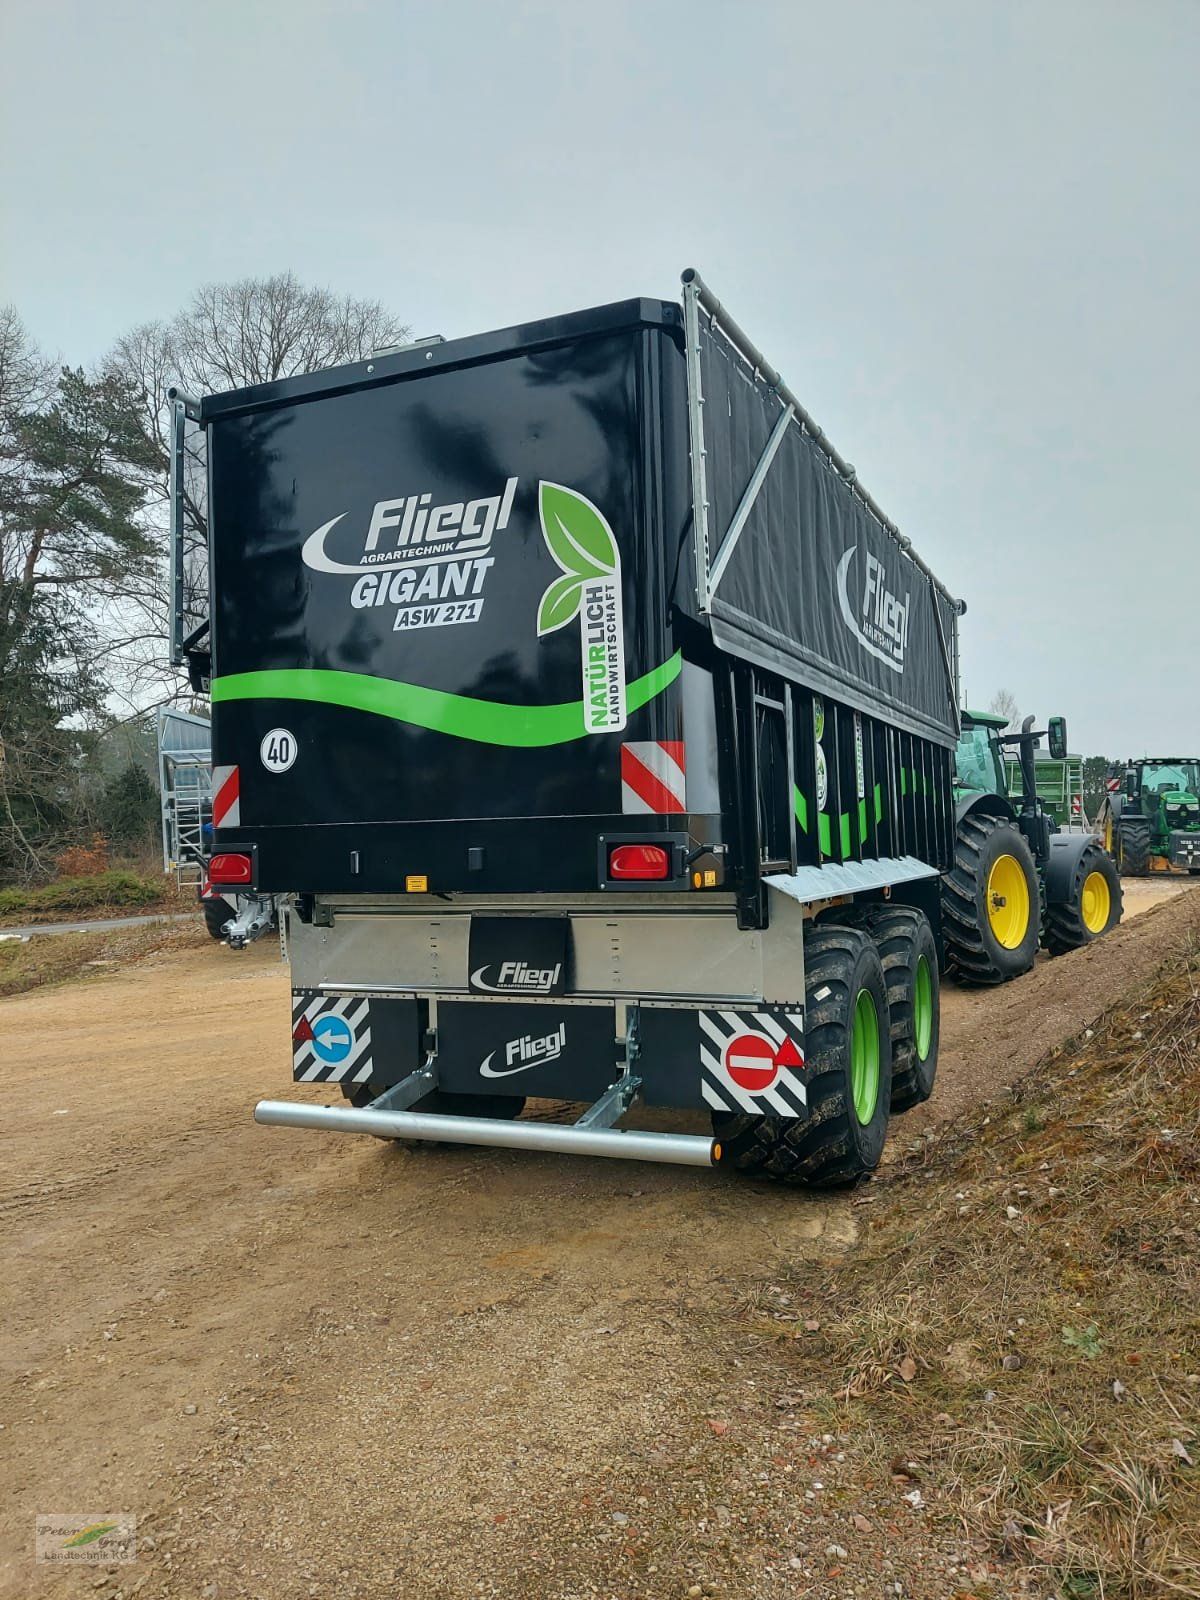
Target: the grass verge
pixel 33 963
pixel 1019 1327
pixel 105 895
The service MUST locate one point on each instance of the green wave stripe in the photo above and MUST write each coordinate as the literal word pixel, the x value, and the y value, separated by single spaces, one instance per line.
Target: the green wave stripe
pixel 485 721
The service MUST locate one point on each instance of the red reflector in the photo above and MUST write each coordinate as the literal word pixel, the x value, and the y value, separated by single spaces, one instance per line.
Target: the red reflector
pixel 230 869
pixel 639 861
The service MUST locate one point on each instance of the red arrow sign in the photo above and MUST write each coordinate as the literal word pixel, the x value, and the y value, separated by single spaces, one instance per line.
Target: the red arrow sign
pixel 787 1055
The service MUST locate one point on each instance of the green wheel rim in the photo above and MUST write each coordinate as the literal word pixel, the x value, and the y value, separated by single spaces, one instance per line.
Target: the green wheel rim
pixel 864 1057
pixel 923 1009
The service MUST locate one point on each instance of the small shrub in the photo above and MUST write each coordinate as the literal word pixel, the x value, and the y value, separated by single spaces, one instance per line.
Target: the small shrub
pixel 110 891
pixel 81 862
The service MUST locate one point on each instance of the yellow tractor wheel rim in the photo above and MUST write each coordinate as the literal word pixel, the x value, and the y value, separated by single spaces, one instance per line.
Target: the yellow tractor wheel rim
pixel 1095 903
pixel 1008 902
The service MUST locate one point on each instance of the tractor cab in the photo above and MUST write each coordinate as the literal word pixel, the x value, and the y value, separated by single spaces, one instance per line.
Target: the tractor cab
pixel 981 774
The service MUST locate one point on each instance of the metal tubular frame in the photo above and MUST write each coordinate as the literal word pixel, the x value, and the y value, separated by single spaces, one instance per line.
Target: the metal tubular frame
pixel 742 515
pixel 697 294
pixel 677 1149
pixel 695 405
pixel 175 543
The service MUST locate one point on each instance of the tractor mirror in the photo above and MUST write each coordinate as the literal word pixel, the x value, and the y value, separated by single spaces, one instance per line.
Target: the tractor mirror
pixel 1058 737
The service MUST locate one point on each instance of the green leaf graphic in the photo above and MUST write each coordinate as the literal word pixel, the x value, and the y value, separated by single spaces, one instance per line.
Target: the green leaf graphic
pixel 579 538
pixel 89 1535
pixel 560 603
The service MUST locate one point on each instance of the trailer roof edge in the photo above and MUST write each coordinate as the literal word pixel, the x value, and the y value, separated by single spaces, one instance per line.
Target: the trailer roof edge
pixel 466 351
pixel 736 335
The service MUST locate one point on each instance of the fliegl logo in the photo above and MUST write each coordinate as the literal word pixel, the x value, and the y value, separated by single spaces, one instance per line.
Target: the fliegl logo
pixel 582 543
pixel 880 622
pixel 429 563
pixel 517 977
pixel 525 1052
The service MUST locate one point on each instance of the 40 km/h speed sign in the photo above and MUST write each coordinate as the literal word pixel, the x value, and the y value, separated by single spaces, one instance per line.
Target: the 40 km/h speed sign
pixel 278 750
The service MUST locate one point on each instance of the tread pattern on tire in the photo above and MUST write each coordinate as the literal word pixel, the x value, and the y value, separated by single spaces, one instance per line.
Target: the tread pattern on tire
pixel 1065 927
pixel 894 930
pixel 1133 847
pixel 818 1151
pixel 216 915
pixel 967 952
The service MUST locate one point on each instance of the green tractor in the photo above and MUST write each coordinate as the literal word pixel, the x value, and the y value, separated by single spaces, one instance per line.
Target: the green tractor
pixel 1152 815
pixel 1017 881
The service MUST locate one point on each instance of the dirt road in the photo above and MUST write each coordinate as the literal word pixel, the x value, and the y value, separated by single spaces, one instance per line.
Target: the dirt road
pixel 314 1365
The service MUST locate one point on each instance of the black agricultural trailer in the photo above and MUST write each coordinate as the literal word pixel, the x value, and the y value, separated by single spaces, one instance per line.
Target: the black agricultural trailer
pixel 599 729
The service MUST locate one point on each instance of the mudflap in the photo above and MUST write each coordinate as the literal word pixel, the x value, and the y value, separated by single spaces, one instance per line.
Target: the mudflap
pixel 546 1050
pixel 726 1060
pixel 350 1039
pixel 730 1060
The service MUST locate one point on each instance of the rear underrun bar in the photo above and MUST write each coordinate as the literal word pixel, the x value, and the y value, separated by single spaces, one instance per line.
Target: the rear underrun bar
pixel 677 1149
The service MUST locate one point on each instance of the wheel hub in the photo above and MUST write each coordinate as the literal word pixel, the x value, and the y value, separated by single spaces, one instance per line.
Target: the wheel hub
pixel 1007 902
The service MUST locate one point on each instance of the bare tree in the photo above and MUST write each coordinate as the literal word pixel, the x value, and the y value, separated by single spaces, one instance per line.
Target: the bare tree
pixel 229 336
pixel 1004 704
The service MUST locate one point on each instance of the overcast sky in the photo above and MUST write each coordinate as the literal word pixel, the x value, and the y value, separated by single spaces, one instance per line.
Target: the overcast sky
pixel 967 232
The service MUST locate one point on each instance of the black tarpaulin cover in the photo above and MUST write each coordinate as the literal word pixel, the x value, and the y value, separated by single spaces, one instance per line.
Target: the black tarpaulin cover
pixel 816 588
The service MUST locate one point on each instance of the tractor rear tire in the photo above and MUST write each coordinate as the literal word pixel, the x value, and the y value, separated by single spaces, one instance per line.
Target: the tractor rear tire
pixel 909 955
pixel 1133 847
pixel 216 915
pixel 990 936
pixel 1092 907
pixel 847 1075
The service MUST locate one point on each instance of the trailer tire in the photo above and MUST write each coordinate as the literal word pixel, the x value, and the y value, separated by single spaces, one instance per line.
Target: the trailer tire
pixel 216 915
pixel 847 1074
pixel 1092 907
pixel 1133 847
pixel 909 955
pixel 983 945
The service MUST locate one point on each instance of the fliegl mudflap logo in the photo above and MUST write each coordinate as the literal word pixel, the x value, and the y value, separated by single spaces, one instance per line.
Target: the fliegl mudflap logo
pixel 880 618
pixel 582 543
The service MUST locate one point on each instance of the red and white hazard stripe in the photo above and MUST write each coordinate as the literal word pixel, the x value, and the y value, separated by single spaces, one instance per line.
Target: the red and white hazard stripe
pixel 227 803
pixel 653 777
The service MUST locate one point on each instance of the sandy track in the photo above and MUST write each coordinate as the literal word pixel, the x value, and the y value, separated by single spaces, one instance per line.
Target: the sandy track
pixel 411 1370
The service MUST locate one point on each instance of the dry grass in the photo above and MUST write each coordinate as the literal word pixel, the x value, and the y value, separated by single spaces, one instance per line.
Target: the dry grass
pixel 62 956
pixel 103 895
pixel 1024 1312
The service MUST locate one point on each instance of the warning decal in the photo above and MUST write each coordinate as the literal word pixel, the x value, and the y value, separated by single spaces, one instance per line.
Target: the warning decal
pixel 753 1061
pixel 227 805
pixel 331 1039
pixel 653 777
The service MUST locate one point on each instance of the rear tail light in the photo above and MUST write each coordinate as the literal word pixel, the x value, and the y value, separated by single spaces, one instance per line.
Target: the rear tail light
pixel 645 861
pixel 230 869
